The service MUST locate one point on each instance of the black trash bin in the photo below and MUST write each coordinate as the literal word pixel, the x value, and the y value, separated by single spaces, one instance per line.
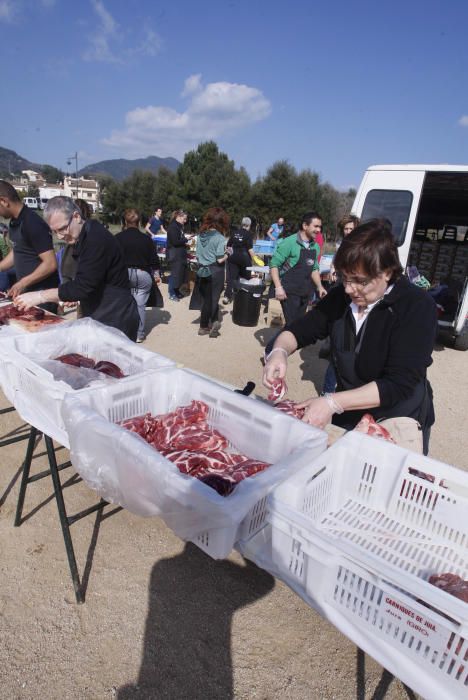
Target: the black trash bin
pixel 247 303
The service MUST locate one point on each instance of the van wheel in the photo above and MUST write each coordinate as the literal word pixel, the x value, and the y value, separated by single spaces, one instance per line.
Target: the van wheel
pixel 461 341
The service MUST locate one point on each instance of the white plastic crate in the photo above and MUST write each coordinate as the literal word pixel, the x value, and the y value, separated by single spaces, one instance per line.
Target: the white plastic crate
pixel 384 520
pixel 127 471
pixel 32 389
pixel 422 647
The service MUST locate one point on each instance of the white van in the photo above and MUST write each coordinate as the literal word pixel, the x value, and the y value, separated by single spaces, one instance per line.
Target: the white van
pixel 428 208
pixel 31 202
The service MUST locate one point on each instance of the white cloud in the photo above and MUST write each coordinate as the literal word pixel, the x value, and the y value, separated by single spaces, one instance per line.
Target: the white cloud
pixel 213 110
pixel 7 10
pixel 108 33
pixel 463 121
pixel 99 48
pixel 192 84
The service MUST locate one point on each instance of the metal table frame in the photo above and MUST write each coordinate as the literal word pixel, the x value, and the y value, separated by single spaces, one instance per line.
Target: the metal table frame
pixel 65 520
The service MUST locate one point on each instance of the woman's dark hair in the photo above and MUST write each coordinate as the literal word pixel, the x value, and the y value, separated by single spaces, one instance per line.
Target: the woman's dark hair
pixel 370 250
pixel 216 218
pixel 85 208
pixel 131 218
pixel 348 219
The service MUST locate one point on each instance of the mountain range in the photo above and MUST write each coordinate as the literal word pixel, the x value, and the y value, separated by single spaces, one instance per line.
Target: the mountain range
pixel 118 168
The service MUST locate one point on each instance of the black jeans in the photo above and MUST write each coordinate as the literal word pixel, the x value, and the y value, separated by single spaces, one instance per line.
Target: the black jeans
pixel 209 311
pixel 236 267
pixel 294 307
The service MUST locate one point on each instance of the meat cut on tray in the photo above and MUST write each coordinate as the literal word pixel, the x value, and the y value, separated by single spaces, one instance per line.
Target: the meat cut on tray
pixel 31 320
pixel 74 359
pixel 185 438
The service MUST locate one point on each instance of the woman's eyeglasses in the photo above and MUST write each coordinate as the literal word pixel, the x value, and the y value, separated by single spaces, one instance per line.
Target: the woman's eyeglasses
pixel 356 282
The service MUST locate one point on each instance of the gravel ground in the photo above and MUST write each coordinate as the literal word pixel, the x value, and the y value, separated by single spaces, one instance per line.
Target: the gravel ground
pixel 161 619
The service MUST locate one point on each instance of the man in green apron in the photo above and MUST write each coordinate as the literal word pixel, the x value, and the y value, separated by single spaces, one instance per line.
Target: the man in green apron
pixel 294 268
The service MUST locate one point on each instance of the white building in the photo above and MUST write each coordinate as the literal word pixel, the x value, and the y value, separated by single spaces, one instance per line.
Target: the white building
pixel 83 189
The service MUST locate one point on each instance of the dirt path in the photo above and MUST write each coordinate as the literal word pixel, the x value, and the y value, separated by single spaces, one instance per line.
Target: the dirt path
pixel 160 614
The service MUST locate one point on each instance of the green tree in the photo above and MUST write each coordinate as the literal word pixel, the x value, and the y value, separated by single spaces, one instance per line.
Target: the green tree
pixel 207 178
pixel 52 174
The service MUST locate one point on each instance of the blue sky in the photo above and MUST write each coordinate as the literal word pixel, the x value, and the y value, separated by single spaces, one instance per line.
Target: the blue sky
pixel 333 86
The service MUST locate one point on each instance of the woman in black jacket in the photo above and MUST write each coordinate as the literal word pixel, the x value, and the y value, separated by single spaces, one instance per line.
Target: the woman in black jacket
pixel 176 254
pixel 142 261
pixel 382 331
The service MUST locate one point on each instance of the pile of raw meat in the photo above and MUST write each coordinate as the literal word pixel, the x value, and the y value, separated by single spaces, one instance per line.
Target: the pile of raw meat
pixel 34 314
pixel 74 359
pixel 185 438
pixel 451 583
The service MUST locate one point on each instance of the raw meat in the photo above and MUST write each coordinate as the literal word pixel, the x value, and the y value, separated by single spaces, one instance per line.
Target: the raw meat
pixel 278 390
pixel 109 368
pixel 452 584
pixel 368 426
pixel 290 407
pixel 33 319
pixel 220 484
pixel 185 438
pixel 76 360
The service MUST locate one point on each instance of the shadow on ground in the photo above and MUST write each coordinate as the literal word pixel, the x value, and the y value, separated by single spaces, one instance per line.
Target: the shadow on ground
pixel 187 645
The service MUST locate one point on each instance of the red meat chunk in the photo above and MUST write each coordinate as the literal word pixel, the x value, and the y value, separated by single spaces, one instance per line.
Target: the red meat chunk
pixel 109 368
pixel 452 584
pixel 278 390
pixel 76 360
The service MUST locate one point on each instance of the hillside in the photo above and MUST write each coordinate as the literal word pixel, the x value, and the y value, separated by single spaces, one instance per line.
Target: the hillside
pixel 121 168
pixel 12 163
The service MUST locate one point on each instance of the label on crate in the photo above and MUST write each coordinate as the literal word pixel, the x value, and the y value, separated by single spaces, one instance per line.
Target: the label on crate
pixel 422 627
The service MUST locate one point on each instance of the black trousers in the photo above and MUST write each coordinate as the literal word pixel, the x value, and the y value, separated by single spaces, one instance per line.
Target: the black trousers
pixel 236 267
pixel 209 309
pixel 294 307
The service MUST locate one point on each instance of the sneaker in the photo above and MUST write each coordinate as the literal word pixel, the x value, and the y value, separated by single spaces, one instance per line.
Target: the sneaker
pixel 204 331
pixel 141 340
pixel 214 332
pixel 179 295
pixel 173 297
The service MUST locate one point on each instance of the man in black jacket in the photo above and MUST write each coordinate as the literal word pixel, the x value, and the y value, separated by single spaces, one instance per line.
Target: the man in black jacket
pixel 101 282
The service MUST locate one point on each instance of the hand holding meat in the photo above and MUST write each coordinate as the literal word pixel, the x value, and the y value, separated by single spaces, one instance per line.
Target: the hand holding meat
pixel 275 367
pixel 15 290
pixel 29 299
pixel 318 412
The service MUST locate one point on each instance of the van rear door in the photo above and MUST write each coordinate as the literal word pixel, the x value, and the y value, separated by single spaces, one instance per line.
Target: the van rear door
pixel 387 192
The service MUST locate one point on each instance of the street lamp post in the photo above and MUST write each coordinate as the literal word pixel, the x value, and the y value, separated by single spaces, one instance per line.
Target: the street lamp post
pixel 69 161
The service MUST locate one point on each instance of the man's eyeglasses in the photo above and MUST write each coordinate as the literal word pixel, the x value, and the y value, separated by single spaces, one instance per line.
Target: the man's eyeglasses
pixel 63 229
pixel 356 282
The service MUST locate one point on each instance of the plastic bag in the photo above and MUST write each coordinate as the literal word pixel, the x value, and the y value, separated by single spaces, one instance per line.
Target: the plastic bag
pixel 76 377
pixel 124 469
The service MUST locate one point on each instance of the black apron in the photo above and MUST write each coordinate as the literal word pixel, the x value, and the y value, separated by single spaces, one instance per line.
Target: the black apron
pixel 297 280
pixel 217 280
pixel 117 308
pixel 177 261
pixel 345 347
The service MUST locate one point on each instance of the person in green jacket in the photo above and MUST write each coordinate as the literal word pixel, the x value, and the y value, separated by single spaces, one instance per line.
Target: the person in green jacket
pixel 294 268
pixel 211 256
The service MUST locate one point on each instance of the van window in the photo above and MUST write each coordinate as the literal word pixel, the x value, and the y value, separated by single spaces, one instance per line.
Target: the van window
pixel 394 205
